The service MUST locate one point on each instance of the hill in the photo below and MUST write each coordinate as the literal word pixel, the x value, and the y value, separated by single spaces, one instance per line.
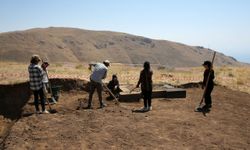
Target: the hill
pixel 76 45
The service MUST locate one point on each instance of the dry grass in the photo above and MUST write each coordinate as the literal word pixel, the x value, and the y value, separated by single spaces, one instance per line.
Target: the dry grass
pixel 236 78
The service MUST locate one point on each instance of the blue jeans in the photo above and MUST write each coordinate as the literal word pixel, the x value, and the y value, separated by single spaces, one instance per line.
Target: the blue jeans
pixel 39 93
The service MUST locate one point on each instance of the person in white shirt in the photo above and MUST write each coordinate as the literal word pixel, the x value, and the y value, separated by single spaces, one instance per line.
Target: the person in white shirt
pixel 99 73
pixel 46 85
pixel 45 77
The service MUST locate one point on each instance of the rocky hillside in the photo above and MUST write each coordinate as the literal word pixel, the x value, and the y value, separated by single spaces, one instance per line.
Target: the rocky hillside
pixel 77 45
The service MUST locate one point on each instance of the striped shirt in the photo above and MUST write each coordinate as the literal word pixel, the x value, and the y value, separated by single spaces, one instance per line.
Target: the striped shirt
pixel 36 77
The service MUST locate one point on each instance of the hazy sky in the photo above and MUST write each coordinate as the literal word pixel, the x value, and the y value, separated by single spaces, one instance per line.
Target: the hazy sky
pixel 223 25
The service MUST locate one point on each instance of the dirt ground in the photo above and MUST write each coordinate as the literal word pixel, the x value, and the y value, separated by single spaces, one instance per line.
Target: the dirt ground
pixel 172 124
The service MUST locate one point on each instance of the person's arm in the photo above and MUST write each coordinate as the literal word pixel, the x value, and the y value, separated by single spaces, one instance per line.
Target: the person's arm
pixel 91 65
pixel 118 84
pixel 204 79
pixel 140 80
pixel 212 75
pixel 151 76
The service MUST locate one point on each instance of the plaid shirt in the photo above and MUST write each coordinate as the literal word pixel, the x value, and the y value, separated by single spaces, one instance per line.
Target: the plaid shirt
pixel 36 77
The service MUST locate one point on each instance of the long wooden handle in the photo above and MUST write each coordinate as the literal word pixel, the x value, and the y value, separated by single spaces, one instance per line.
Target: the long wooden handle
pixel 117 101
pixel 132 90
pixel 209 74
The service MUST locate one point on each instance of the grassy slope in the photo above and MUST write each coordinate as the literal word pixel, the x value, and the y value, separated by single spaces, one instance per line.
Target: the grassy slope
pixel 236 78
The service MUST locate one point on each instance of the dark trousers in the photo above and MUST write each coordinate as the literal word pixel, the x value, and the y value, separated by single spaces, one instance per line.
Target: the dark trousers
pixel 37 94
pixel 95 85
pixel 147 96
pixel 208 99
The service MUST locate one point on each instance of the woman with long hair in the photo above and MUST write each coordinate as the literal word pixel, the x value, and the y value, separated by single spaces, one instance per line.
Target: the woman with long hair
pixel 145 81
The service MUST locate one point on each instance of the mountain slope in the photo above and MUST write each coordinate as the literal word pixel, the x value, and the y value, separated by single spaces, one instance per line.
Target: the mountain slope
pixel 77 45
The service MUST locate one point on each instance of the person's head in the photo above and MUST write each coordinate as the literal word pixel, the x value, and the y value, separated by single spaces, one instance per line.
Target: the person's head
pixel 35 59
pixel 114 77
pixel 146 65
pixel 45 64
pixel 207 64
pixel 106 63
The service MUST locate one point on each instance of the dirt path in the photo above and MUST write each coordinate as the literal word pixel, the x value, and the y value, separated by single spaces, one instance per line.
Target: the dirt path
pixel 172 124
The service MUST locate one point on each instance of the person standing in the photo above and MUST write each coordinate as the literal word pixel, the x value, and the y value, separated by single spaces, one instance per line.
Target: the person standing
pixel 99 73
pixel 46 84
pixel 208 84
pixel 146 82
pixel 36 83
pixel 45 77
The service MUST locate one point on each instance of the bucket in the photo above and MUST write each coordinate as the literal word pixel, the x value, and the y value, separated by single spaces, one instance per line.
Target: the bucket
pixel 56 91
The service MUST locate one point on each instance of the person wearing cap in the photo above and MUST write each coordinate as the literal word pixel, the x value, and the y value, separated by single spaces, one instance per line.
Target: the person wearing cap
pixel 146 83
pixel 36 83
pixel 208 79
pixel 99 72
pixel 44 66
pixel 46 85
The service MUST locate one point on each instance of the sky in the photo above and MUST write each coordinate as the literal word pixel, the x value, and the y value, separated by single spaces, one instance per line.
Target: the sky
pixel 222 25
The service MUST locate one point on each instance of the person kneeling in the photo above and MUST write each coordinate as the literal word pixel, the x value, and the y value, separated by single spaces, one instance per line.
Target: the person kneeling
pixel 114 87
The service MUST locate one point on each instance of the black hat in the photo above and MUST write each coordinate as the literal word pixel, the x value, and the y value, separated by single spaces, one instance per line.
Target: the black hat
pixel 114 76
pixel 207 63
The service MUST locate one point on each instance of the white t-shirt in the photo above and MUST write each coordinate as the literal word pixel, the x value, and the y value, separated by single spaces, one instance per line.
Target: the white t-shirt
pixel 45 78
pixel 99 72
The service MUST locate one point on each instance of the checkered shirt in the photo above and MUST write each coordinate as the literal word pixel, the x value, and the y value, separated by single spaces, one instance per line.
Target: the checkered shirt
pixel 36 77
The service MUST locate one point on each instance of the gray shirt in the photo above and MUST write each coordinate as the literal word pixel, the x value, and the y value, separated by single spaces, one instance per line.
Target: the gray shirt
pixel 99 72
pixel 45 78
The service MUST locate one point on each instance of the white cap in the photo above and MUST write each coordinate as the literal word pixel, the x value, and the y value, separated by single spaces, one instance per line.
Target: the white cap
pixel 106 62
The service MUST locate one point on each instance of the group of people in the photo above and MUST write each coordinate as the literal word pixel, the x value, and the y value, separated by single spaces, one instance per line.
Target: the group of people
pixel 39 83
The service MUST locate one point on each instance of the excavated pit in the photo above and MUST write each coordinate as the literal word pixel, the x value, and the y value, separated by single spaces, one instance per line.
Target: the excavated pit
pixel 172 124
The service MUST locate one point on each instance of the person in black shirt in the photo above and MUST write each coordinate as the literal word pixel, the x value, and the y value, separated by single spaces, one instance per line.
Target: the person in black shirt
pixel 114 86
pixel 208 79
pixel 145 81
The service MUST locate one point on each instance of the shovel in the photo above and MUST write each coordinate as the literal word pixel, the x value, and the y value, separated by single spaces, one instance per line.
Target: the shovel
pixel 112 94
pixel 199 108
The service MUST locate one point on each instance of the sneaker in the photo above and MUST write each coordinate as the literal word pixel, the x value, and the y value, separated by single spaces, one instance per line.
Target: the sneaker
pixel 45 112
pixel 150 108
pixel 198 109
pixel 38 112
pixel 144 109
pixel 103 105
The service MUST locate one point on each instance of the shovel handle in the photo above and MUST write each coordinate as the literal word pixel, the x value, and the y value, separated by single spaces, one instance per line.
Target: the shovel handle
pixel 112 94
pixel 132 89
pixel 209 74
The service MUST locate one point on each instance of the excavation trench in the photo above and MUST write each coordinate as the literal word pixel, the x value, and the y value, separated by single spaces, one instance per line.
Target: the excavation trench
pixel 14 97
